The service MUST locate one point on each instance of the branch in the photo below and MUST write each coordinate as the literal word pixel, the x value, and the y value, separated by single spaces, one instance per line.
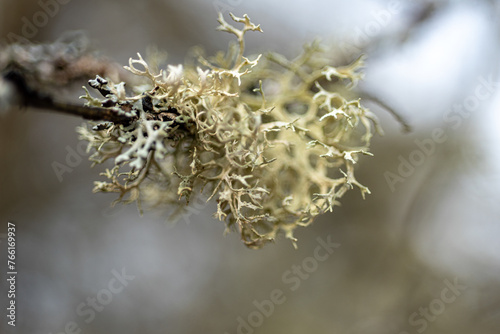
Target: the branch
pixel 25 96
pixel 406 126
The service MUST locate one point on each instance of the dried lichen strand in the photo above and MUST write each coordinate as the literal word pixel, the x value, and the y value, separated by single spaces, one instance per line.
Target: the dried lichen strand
pixel 271 140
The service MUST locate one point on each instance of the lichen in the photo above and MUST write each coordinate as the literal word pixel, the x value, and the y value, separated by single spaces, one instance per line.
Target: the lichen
pixel 271 140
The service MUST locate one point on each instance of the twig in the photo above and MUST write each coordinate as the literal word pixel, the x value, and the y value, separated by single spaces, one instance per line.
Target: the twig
pixel 406 126
pixel 28 97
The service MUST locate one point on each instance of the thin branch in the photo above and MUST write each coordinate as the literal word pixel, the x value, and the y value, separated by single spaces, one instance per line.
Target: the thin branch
pixel 406 126
pixel 28 97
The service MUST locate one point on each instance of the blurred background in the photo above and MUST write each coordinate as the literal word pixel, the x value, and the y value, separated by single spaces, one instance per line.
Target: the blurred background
pixel 421 254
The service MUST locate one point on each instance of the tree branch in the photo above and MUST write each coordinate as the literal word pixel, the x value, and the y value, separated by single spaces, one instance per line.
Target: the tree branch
pixel 400 119
pixel 28 97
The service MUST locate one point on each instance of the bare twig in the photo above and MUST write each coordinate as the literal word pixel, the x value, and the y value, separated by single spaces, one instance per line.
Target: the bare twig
pixel 406 126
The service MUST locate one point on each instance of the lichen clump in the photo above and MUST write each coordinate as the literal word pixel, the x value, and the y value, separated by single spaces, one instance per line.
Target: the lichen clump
pixel 271 140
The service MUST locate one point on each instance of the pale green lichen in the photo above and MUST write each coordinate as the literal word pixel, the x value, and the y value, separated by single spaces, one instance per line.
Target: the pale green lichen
pixel 271 140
